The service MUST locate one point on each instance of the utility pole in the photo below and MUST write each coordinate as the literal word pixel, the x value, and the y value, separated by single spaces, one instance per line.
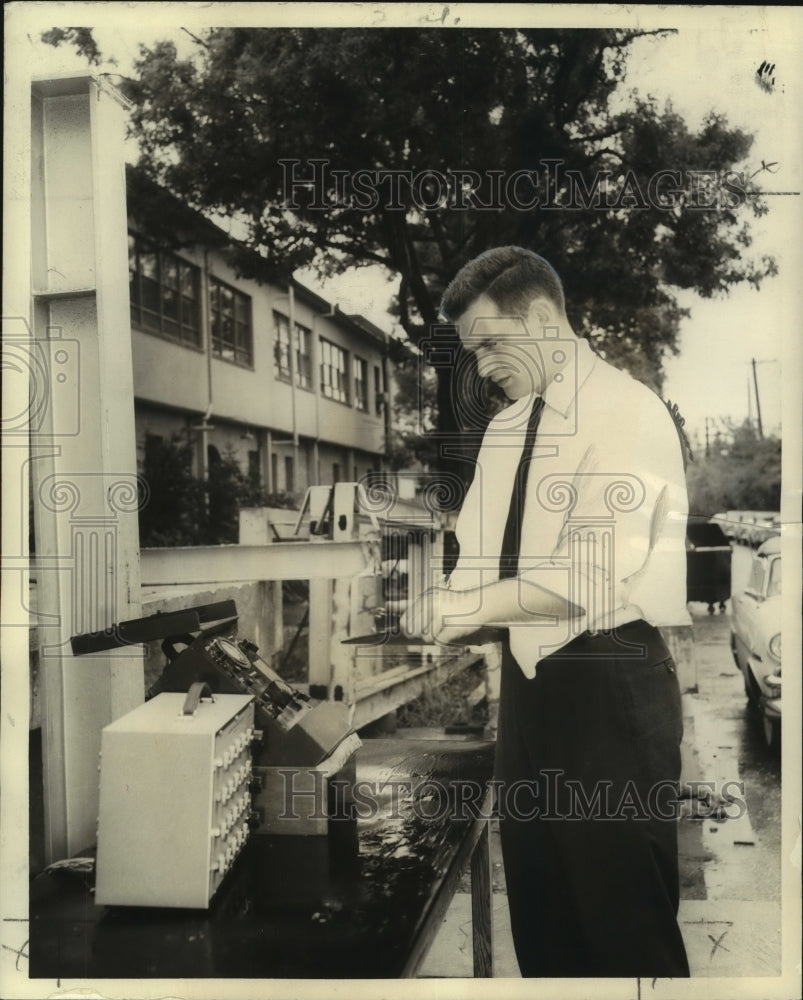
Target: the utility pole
pixel 758 404
pixel 291 322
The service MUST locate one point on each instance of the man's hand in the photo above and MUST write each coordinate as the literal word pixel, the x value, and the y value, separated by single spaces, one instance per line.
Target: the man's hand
pixel 440 615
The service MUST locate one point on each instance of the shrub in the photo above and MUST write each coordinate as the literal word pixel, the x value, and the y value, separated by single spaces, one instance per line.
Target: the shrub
pixel 181 509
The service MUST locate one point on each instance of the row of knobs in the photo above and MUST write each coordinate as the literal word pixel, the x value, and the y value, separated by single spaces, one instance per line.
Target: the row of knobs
pixel 226 856
pixel 232 815
pixel 241 775
pixel 231 831
pixel 240 743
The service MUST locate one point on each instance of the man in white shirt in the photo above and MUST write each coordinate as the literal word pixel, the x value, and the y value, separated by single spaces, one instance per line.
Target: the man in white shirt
pixel 572 538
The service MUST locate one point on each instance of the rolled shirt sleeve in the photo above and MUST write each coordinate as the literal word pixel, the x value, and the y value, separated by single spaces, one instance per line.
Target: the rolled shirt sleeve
pixel 620 549
pixel 604 521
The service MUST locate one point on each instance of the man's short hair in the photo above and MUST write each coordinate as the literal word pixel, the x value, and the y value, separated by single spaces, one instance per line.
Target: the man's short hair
pixel 511 277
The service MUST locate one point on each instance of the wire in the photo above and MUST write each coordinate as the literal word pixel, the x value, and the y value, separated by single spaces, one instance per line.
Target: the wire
pixel 82 866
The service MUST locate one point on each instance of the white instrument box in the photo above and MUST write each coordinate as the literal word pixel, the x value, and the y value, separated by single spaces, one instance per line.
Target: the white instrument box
pixel 174 799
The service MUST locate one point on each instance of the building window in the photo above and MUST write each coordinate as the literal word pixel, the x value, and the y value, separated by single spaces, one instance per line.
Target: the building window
pixel 335 472
pixel 379 392
pixel 274 471
pixel 289 474
pixel 163 291
pixel 281 351
pixel 361 384
pixel 152 452
pixel 334 372
pixel 153 446
pixel 254 468
pixel 230 316
pixel 303 357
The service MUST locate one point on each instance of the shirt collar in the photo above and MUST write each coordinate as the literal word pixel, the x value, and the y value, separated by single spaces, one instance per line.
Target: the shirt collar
pixel 560 394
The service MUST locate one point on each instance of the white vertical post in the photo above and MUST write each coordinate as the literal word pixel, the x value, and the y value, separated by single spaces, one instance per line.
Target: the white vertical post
pixel 320 631
pixel 18 367
pixel 291 321
pixel 85 485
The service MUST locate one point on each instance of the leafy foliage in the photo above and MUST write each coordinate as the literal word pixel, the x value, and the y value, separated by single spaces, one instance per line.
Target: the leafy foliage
pixel 214 128
pixel 447 704
pixel 743 473
pixel 174 511
pixel 414 413
pixel 183 510
pixel 81 38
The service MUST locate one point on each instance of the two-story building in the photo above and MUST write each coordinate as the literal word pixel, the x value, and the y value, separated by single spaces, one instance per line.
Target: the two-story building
pixel 270 374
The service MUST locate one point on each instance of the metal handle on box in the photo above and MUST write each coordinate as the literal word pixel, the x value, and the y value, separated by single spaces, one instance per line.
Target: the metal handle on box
pixel 194 695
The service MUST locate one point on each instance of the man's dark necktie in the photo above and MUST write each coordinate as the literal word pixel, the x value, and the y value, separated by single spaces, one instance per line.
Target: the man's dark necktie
pixel 511 540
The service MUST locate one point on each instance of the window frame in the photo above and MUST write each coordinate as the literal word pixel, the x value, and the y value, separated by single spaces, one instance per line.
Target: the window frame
pixel 243 355
pixel 379 391
pixel 342 392
pixel 282 346
pixel 757 581
pixel 774 578
pixel 360 399
pixel 187 330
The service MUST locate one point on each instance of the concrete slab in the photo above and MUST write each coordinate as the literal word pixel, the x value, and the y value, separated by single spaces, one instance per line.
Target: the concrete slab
pixel 729 937
pixel 723 940
pixel 730 912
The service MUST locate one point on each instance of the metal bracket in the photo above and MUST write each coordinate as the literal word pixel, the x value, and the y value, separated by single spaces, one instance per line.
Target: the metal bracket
pixel 153 627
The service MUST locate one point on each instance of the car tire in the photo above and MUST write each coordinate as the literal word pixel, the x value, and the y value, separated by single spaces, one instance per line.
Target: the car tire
pixel 751 690
pixel 772 734
pixel 733 651
pixel 752 693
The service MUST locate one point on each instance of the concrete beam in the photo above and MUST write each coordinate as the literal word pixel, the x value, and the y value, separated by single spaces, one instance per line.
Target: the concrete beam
pixel 82 452
pixel 219 564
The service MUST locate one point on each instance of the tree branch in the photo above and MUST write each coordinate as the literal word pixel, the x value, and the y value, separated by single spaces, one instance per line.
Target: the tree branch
pixel 195 38
pixel 602 152
pixel 625 39
pixel 596 136
pixel 360 251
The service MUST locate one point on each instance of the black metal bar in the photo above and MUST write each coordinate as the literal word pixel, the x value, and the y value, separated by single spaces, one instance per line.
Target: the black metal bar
pixel 153 627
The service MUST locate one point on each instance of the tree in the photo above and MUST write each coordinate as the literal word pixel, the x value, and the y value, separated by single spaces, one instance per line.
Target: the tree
pixel 179 509
pixel 740 472
pixel 219 129
pixel 414 409
pixel 81 38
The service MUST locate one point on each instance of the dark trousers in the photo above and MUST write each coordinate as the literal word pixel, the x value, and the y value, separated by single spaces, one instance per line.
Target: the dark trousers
pixel 587 765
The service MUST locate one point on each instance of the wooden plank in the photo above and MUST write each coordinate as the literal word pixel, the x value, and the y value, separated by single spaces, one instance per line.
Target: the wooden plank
pixel 481 906
pixel 475 697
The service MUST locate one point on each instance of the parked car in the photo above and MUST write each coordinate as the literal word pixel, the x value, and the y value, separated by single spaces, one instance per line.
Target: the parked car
pixel 766 525
pixel 730 521
pixel 756 637
pixel 721 519
pixel 743 526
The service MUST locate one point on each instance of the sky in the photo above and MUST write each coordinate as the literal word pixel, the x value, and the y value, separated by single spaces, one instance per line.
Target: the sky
pixel 709 64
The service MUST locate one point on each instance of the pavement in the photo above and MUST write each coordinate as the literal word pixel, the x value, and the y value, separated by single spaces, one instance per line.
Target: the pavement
pixel 730 909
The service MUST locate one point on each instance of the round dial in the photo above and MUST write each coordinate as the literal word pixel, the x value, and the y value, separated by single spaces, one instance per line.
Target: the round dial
pixel 234 653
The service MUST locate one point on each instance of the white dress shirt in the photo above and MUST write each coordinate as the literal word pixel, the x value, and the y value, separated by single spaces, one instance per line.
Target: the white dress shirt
pixel 606 506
